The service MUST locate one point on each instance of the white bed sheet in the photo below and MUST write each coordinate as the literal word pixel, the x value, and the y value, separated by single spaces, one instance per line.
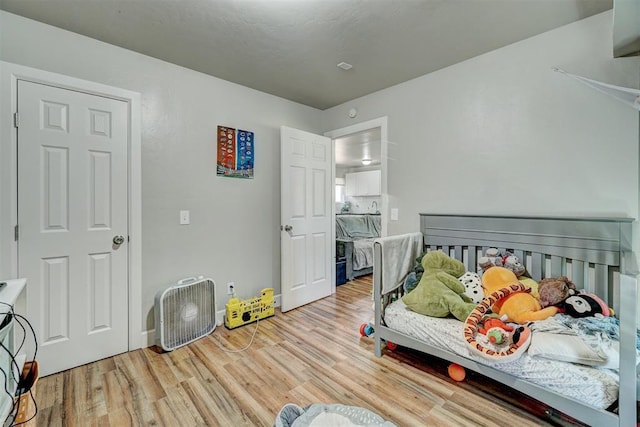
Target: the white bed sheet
pixel 595 387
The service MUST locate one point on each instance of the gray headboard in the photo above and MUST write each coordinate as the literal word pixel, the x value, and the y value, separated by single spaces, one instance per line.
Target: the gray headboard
pixel 590 251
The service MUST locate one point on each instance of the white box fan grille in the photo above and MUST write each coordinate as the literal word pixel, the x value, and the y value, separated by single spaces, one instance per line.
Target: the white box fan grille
pixel 185 312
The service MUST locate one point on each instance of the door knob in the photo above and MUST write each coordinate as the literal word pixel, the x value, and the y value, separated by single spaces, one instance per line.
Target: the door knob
pixel 118 240
pixel 288 227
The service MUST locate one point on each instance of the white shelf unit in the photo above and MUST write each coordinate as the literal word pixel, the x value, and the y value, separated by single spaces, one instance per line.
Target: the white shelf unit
pixel 11 295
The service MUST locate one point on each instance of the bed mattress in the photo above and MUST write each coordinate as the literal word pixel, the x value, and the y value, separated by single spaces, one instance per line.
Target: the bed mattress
pixel 594 386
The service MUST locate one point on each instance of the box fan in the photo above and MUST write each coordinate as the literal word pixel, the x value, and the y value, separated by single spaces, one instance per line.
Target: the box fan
pixel 185 312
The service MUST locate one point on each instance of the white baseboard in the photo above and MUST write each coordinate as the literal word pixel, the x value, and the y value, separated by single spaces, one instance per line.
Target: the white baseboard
pixel 149 337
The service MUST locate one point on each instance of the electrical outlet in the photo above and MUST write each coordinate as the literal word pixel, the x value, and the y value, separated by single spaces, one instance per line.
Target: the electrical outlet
pixel 230 288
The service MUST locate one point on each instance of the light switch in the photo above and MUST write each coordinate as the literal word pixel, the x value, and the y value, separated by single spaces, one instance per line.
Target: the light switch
pixel 184 217
pixel 394 214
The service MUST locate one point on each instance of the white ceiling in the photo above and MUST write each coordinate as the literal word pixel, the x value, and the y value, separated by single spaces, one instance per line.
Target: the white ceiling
pixel 350 150
pixel 290 48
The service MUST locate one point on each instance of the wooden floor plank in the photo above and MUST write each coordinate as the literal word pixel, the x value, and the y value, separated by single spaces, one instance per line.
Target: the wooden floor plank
pixel 313 354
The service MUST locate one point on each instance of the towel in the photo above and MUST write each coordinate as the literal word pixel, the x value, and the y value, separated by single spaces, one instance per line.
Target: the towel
pixel 398 258
pixel 354 227
pixel 362 254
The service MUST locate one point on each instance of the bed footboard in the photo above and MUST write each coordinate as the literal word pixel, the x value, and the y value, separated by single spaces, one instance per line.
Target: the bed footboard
pixel 594 252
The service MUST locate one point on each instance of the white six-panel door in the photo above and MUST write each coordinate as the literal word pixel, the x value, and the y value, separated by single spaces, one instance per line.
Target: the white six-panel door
pixel 306 217
pixel 72 209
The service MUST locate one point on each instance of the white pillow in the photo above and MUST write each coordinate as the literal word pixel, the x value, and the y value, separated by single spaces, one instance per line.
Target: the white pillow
pixel 611 350
pixel 566 348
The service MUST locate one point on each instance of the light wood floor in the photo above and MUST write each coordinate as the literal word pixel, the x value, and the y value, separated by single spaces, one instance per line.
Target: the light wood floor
pixel 311 354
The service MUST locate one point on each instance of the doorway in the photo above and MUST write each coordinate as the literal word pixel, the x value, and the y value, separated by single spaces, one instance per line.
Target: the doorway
pixel 360 192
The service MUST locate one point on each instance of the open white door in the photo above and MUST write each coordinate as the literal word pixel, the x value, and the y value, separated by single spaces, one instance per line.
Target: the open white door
pixel 306 217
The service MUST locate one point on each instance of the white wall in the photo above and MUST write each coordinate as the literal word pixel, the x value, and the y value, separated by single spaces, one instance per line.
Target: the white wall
pixel 498 134
pixel 364 204
pixel 234 233
pixel 504 134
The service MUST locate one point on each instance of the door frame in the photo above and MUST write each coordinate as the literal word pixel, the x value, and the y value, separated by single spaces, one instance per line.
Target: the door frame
pixel 380 122
pixel 9 75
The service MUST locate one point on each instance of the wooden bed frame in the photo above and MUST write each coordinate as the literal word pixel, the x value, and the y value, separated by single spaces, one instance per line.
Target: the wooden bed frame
pixel 594 252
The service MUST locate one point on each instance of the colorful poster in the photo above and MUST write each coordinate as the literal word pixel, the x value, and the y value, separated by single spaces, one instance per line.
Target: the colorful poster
pixel 235 152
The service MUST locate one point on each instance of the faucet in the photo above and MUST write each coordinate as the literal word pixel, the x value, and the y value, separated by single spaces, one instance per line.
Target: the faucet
pixel 376 206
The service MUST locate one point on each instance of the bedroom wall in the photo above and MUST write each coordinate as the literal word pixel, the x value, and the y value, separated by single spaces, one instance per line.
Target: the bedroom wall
pixel 504 134
pixel 234 233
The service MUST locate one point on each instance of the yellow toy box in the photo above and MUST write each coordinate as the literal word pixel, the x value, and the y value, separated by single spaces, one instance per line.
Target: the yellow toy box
pixel 240 312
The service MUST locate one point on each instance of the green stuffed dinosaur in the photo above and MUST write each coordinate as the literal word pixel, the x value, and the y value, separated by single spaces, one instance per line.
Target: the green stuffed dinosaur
pixel 439 292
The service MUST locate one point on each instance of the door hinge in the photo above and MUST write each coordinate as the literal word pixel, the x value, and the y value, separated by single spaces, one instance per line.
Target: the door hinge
pixel 16 121
pixel 16 232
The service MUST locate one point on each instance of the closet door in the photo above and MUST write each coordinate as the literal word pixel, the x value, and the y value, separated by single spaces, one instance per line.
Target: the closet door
pixel 72 217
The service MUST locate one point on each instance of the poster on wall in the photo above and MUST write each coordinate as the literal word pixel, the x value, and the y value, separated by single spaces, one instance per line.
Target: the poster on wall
pixel 235 152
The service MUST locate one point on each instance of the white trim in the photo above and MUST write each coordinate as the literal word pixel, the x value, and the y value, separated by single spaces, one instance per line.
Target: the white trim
pixel 380 122
pixel 9 75
pixel 148 338
pixel 333 215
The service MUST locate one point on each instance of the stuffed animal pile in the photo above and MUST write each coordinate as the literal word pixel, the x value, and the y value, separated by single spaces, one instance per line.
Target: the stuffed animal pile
pixel 440 287
pixel 519 307
pixel 586 305
pixel 493 258
pixel 488 336
pixel 562 293
pixel 439 292
pixel 413 278
pixel 494 328
pixel 472 286
pixel 554 290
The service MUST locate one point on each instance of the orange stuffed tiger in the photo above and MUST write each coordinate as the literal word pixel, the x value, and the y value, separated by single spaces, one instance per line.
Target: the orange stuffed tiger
pixel 520 337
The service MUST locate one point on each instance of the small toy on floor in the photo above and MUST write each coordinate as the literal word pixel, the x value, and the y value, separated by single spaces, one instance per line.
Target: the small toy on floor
pixel 241 312
pixel 456 372
pixel 366 330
